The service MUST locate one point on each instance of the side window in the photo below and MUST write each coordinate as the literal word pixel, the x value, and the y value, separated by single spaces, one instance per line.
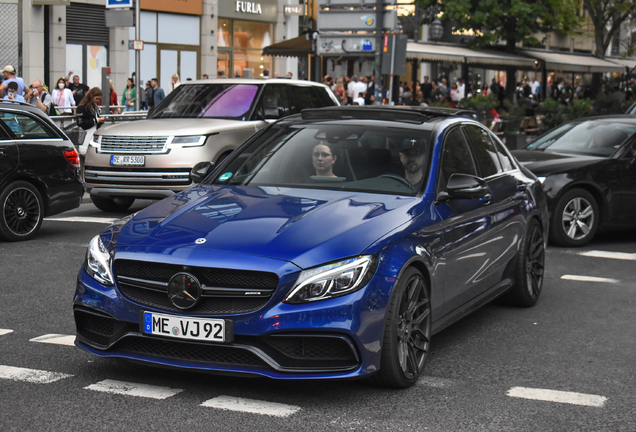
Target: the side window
pixel 303 97
pixel 485 151
pixel 275 96
pixel 26 127
pixel 506 163
pixel 456 157
pixel 323 97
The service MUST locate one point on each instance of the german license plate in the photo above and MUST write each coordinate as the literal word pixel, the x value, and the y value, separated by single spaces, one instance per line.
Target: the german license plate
pixel 174 326
pixel 127 160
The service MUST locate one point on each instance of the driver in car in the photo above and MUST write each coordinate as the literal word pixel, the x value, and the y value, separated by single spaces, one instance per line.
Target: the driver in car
pixel 323 159
pixel 412 158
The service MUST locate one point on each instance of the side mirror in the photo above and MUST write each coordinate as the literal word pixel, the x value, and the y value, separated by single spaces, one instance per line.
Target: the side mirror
pixel 201 170
pixel 465 186
pixel 273 113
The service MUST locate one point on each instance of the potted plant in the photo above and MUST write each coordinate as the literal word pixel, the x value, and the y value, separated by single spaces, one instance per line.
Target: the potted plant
pixel 514 138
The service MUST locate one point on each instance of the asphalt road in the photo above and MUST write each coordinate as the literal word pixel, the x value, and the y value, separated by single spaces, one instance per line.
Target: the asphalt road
pixel 575 348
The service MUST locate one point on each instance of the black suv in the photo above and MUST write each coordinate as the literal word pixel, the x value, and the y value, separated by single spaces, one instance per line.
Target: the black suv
pixel 39 170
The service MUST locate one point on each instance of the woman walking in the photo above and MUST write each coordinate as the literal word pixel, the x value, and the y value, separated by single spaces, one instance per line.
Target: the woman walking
pixel 128 96
pixel 88 116
pixel 63 97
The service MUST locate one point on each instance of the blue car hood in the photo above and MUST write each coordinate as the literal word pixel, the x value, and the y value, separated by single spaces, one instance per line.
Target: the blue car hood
pixel 304 226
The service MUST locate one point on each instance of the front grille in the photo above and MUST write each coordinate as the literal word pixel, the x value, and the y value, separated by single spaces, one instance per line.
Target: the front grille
pixel 224 291
pixel 137 176
pixel 133 144
pixel 188 351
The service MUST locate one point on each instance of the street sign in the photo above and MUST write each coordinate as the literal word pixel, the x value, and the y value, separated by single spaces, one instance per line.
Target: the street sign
pixel 345 44
pixel 138 45
pixel 355 20
pixel 352 3
pixel 119 3
pixel 119 18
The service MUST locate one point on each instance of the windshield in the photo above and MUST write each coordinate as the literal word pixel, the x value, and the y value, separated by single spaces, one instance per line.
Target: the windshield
pixel 334 157
pixel 224 101
pixel 594 138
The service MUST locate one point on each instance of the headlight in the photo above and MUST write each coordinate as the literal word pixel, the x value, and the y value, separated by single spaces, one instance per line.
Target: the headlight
pixel 332 280
pixel 98 262
pixel 188 141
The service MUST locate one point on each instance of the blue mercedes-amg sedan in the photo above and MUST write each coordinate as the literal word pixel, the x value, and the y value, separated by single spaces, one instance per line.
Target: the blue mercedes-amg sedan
pixel 331 244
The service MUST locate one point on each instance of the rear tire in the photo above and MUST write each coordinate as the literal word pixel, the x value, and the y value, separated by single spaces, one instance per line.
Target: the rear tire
pixel 407 332
pixel 21 211
pixel 118 204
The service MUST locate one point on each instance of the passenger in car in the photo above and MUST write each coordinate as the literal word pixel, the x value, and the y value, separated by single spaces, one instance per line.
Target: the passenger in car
pixel 323 159
pixel 412 158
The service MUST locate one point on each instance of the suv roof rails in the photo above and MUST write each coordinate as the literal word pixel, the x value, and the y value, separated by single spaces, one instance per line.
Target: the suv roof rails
pixel 15 102
pixel 411 114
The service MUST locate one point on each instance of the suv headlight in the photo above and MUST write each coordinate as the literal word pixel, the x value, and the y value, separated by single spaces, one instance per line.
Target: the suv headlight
pixel 332 280
pixel 188 141
pixel 98 262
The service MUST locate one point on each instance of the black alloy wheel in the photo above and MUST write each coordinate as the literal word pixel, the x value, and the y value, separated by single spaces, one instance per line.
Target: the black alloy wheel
pixel 407 332
pixel 575 219
pixel 118 204
pixel 530 268
pixel 22 211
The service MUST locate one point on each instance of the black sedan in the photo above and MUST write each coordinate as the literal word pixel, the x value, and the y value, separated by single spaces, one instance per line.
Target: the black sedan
pixel 588 171
pixel 39 171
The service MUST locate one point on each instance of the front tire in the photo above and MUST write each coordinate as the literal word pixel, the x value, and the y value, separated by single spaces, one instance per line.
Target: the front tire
pixel 407 333
pixel 575 219
pixel 530 268
pixel 22 211
pixel 118 204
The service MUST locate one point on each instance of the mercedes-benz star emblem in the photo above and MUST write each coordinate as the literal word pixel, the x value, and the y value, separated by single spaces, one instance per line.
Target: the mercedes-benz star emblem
pixel 184 290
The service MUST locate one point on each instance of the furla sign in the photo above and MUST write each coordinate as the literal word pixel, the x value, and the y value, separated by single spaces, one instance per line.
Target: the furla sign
pixel 249 7
pixel 261 10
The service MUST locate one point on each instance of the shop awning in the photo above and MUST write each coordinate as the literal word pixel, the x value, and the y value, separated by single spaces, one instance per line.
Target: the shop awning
pixel 457 53
pixel 567 62
pixel 629 63
pixel 296 47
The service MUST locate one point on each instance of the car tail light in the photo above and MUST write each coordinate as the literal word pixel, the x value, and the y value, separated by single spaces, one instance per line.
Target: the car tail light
pixel 72 156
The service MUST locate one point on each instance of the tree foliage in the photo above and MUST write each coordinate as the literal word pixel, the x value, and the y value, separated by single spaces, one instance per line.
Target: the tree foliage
pixel 511 21
pixel 607 16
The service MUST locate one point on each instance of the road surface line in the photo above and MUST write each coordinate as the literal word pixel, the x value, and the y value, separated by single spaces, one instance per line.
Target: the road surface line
pixel 134 389
pixel 251 406
pixel 5 331
pixel 90 219
pixel 589 279
pixel 31 375
pixel 57 339
pixel 557 396
pixel 611 255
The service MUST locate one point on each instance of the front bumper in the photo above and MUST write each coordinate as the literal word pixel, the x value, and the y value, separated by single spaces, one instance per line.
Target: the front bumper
pixel 336 338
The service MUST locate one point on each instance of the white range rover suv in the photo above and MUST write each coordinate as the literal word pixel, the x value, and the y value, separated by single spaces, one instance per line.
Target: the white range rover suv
pixel 200 121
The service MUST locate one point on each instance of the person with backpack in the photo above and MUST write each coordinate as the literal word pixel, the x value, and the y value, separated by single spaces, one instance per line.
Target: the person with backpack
pixel 39 97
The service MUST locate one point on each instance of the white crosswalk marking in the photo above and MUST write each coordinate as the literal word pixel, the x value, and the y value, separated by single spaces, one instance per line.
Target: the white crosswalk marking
pixel 134 389
pixel 558 396
pixel 31 375
pixel 90 219
pixel 611 255
pixel 57 339
pixel 5 331
pixel 589 279
pixel 251 406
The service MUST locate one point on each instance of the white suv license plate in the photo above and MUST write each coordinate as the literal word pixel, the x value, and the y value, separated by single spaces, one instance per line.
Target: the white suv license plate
pixel 201 329
pixel 127 160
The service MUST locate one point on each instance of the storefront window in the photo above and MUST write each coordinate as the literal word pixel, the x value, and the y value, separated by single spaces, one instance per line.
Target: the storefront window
pixel 241 46
pixel 224 33
pixel 249 34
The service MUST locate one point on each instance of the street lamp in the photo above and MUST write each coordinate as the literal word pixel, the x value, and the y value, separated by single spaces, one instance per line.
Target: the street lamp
pixel 435 30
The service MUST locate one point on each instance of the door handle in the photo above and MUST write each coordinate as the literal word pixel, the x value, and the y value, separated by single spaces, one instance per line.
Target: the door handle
pixel 486 199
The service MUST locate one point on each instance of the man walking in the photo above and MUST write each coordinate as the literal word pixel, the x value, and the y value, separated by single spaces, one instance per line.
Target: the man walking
pixel 8 75
pixel 157 94
pixel 79 90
